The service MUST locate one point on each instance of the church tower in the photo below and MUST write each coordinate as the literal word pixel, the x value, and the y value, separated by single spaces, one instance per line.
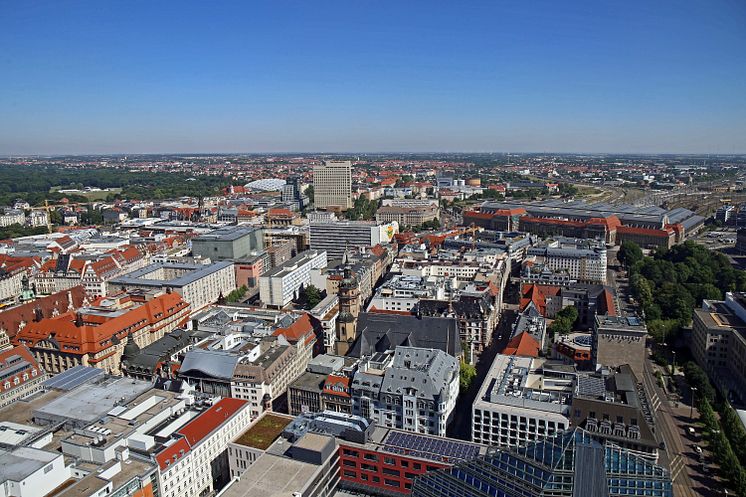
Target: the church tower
pixel 349 308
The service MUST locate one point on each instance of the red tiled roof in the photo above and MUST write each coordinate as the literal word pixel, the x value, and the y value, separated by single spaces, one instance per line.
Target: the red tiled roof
pixel 198 429
pixel 280 213
pixel 208 421
pixel 378 250
pixel 301 328
pixel 60 302
pixel 172 453
pixel 608 299
pixel 632 230
pixel 537 294
pixel 24 353
pixel 98 328
pixel 522 344
pixel 332 380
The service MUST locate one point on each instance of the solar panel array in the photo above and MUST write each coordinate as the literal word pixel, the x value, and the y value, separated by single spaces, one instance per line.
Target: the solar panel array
pixel 72 378
pixel 429 447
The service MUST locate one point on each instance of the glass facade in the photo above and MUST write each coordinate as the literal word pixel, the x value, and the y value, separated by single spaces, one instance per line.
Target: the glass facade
pixel 571 464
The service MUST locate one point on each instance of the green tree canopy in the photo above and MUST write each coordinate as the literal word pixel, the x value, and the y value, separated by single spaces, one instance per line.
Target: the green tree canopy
pixel 629 253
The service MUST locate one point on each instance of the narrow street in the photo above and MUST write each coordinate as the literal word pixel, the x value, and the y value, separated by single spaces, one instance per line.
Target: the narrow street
pixel 460 426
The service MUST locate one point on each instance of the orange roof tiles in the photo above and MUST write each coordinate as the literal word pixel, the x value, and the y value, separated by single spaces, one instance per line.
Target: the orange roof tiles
pixel 11 319
pixel 24 353
pixel 337 385
pixel 632 230
pixel 198 429
pixel 301 328
pixel 99 329
pixel 522 344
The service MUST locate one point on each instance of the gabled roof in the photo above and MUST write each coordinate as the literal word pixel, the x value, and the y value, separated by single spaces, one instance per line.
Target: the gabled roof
pixel 60 302
pixel 99 328
pixel 425 332
pixel 523 345
pixel 300 328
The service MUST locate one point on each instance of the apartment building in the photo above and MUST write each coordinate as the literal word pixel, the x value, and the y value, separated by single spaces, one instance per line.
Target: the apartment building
pixel 11 217
pixel 410 388
pixel 20 375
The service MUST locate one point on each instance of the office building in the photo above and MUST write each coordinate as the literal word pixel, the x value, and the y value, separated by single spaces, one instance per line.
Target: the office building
pixel 332 185
pixel 580 260
pixel 336 237
pixel 719 342
pixel 281 285
pixel 229 243
pixel 619 340
pixel 613 406
pixel 199 284
pixel 520 400
pixel 97 335
pixel 277 456
pixel 569 464
pixel 410 388
pixel 407 215
pixel 253 358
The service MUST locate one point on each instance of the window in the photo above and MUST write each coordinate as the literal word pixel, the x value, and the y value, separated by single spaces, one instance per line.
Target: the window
pixel 350 474
pixel 390 461
pixel 371 457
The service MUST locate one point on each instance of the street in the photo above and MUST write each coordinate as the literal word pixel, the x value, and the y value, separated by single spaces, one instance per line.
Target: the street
pixel 460 426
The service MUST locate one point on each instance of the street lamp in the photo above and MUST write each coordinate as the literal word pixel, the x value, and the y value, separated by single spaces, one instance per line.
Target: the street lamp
pixel 673 365
pixel 691 407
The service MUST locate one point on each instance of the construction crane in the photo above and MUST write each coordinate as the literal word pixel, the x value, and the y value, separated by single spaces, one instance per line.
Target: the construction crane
pixel 46 210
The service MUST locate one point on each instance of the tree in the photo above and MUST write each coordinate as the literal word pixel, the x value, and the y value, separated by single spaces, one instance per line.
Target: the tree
pixel 309 297
pixel 698 379
pixel 629 253
pixel 466 376
pixel 309 193
pixel 564 322
pixel 237 294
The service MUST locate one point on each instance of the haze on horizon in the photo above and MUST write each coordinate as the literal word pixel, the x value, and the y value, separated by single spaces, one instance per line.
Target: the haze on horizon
pixel 85 77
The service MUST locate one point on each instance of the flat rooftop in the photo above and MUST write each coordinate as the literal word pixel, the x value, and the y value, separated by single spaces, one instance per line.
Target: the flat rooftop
pixel 88 403
pixel 273 476
pixel 293 264
pixel 193 272
pixel 227 234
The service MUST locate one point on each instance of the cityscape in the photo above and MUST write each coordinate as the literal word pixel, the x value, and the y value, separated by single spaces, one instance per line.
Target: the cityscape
pixel 377 298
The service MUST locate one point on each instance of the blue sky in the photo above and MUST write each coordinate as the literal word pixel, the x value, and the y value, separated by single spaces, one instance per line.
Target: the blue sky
pixel 575 76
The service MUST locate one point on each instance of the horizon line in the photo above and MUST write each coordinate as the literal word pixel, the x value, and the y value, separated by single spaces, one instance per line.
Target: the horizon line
pixel 347 153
